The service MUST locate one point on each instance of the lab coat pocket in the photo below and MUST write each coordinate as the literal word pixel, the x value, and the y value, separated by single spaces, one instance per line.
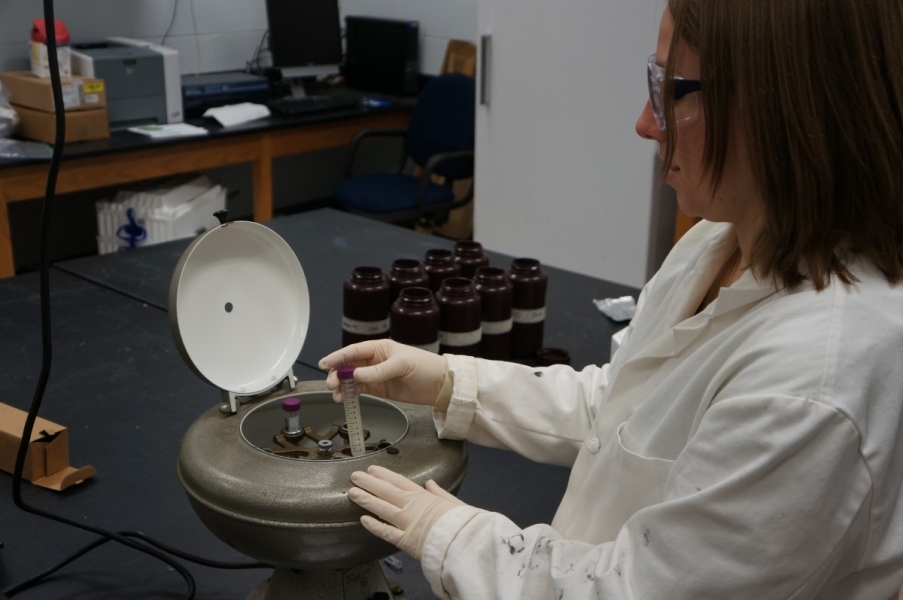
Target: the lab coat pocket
pixel 636 482
pixel 646 474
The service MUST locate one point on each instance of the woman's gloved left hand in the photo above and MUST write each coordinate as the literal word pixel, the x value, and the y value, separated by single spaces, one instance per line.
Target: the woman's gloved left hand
pixel 410 511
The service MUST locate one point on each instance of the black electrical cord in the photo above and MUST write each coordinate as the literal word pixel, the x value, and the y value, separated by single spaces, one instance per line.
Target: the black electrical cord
pixel 253 65
pixel 130 534
pixel 175 6
pixel 16 589
pixel 46 338
pixel 47 359
pixel 205 562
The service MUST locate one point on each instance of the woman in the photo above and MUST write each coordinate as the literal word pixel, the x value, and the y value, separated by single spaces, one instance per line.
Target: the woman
pixel 745 441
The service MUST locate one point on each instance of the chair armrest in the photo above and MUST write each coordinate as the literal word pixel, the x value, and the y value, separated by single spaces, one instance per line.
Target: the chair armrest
pixel 431 164
pixel 365 133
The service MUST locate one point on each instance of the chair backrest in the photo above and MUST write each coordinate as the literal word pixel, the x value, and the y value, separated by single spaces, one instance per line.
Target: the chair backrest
pixel 460 57
pixel 443 121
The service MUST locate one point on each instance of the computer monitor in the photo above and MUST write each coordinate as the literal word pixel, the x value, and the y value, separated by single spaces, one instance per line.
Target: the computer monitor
pixel 305 39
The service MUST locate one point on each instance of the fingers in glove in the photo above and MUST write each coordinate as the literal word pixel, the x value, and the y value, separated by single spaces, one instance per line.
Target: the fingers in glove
pixel 360 352
pixel 371 503
pixel 380 487
pixel 399 481
pixel 333 385
pixel 432 486
pixel 382 530
pixel 392 368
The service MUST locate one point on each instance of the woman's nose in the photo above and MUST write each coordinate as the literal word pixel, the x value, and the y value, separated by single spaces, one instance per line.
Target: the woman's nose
pixel 646 126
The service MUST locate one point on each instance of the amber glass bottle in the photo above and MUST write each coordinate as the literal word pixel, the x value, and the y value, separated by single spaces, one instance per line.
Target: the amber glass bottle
pixel 414 319
pixel 405 273
pixel 470 256
pixel 546 357
pixel 494 288
pixel 365 306
pixel 528 313
pixel 439 263
pixel 460 314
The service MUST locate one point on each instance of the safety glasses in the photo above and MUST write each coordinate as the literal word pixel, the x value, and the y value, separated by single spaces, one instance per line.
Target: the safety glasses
pixel 686 106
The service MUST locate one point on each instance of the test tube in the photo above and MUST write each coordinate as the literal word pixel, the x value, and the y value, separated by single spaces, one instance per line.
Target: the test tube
pixel 352 410
pixel 291 409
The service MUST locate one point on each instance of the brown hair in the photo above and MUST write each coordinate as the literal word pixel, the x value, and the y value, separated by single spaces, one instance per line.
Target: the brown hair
pixel 818 90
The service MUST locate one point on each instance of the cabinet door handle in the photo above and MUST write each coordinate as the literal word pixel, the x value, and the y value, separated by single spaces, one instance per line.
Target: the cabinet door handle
pixel 485 59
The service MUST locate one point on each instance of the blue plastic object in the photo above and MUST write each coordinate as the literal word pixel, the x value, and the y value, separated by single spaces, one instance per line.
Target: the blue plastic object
pixel 131 232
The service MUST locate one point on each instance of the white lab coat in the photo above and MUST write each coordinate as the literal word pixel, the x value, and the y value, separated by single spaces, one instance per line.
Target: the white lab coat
pixel 753 450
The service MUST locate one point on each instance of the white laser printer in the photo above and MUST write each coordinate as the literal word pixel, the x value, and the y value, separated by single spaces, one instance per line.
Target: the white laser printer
pixel 143 80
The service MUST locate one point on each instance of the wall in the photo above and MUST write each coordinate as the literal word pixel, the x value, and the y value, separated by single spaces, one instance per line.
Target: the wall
pixel 561 174
pixel 217 35
pixel 210 35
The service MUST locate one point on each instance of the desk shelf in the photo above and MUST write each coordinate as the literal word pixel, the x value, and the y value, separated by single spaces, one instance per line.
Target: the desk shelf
pixel 127 157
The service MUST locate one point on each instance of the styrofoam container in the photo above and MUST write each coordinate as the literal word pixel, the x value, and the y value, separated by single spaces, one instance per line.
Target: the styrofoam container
pixel 161 215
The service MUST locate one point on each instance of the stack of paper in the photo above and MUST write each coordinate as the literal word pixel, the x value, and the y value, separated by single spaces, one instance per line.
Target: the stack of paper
pixel 169 130
pixel 236 114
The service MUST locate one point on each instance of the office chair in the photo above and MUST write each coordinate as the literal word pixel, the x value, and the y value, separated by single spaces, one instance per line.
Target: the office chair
pixel 439 139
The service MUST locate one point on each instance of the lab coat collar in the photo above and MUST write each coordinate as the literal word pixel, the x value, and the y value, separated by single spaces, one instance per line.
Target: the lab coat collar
pixel 691 289
pixel 746 290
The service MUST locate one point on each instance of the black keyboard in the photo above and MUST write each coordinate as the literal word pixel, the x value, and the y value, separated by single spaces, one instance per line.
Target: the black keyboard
pixel 312 104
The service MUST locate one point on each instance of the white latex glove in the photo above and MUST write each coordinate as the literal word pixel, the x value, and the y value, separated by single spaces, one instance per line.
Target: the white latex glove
pixel 410 511
pixel 389 369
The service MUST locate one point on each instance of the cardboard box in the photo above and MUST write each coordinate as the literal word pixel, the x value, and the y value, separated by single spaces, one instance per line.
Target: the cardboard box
pixel 47 458
pixel 81 125
pixel 79 93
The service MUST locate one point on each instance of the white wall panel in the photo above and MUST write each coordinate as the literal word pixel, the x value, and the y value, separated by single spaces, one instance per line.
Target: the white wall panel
pixel 15 19
pixel 561 174
pixel 182 23
pixel 446 18
pixel 387 9
pixel 89 20
pixel 218 51
pixel 432 53
pixel 14 57
pixel 228 30
pixel 224 16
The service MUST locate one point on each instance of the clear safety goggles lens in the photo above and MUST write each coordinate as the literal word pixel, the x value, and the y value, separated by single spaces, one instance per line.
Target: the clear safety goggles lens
pixel 686 103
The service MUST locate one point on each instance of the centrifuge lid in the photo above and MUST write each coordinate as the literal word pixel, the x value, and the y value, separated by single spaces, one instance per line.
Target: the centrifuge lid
pixel 239 307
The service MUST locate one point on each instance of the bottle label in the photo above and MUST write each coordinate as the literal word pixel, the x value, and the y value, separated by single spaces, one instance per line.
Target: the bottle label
pixel 365 327
pixel 460 338
pixel 497 327
pixel 528 315
pixel 434 347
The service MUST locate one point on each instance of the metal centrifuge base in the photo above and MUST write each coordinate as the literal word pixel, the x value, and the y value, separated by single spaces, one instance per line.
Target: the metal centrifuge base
pixel 363 581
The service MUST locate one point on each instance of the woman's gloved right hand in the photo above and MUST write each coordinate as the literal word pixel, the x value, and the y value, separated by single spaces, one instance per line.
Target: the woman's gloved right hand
pixel 389 369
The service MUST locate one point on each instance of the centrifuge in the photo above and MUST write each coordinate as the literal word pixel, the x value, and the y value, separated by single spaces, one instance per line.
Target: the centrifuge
pixel 267 468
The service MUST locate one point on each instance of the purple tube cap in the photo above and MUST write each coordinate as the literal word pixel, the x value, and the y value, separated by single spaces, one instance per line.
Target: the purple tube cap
pixel 346 372
pixel 291 405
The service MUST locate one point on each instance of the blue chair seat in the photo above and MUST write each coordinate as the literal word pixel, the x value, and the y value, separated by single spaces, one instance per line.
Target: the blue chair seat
pixel 387 192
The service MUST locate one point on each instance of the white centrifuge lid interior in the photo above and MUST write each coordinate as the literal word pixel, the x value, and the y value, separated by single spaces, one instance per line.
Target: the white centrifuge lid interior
pixel 240 307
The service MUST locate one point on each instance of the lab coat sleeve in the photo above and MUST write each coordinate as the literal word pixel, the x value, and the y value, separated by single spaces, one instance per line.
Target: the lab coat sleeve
pixel 769 496
pixel 541 413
